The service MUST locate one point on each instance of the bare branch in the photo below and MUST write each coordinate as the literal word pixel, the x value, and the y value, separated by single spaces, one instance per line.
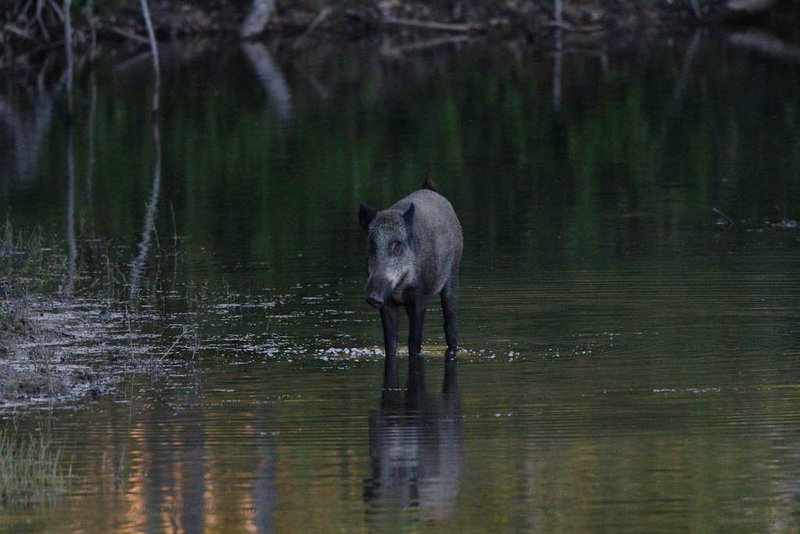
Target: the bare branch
pixel 749 7
pixel 257 19
pixel 432 25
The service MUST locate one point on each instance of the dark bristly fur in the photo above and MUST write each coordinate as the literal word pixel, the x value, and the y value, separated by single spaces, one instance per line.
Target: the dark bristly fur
pixel 430 185
pixel 414 252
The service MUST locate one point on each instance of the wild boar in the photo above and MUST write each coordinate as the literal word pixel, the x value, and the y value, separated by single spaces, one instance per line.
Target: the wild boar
pixel 413 253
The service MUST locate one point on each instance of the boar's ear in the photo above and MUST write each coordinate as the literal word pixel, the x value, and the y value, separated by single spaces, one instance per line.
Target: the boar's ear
pixel 365 215
pixel 408 216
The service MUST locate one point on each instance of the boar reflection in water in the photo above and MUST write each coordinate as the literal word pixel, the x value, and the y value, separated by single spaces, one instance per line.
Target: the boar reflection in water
pixel 416 443
pixel 414 252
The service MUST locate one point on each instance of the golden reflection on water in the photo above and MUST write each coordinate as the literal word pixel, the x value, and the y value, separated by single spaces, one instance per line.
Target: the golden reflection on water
pixel 538 446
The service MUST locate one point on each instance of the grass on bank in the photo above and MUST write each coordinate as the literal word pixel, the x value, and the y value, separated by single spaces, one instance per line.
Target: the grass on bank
pixel 31 470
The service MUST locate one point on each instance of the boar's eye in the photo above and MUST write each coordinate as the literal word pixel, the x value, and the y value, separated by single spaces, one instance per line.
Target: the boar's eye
pixel 396 248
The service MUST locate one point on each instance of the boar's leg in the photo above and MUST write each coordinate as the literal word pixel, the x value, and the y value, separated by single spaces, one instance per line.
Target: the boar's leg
pixel 450 382
pixel 389 320
pixel 449 296
pixel 415 385
pixel 390 380
pixel 416 318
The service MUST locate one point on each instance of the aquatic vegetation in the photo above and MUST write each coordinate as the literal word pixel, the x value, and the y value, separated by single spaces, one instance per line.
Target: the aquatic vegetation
pixel 26 263
pixel 59 338
pixel 32 470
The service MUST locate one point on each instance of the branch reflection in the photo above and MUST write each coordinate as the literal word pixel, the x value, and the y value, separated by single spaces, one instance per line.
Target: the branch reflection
pixel 280 97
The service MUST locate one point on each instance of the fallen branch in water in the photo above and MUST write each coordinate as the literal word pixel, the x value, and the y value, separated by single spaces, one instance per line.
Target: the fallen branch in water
pixel 398 51
pixel 433 25
pixel 749 8
pixel 727 221
pixel 566 26
pixel 765 44
pixel 311 27
pixel 186 330
pixel 128 35
pixel 559 25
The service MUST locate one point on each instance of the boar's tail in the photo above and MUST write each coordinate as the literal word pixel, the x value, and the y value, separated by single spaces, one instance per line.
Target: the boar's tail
pixel 430 185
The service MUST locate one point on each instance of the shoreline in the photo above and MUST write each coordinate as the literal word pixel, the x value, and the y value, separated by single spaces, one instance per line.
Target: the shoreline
pixel 57 343
pixel 38 366
pixel 28 33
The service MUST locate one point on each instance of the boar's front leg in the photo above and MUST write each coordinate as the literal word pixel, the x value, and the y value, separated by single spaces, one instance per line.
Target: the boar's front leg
pixel 416 319
pixel 389 320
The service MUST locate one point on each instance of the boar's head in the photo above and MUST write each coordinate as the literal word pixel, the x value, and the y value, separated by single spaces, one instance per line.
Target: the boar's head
pixel 391 251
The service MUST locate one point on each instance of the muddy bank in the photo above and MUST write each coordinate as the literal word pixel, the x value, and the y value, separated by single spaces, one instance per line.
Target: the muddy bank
pixel 55 350
pixel 36 364
pixel 60 338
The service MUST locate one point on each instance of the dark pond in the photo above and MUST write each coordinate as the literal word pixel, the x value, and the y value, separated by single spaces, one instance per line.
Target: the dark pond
pixel 630 294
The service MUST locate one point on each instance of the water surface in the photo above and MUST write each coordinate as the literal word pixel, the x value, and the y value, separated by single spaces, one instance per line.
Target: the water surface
pixel 629 313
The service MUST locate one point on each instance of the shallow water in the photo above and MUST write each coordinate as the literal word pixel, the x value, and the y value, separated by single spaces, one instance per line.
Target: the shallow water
pixel 629 289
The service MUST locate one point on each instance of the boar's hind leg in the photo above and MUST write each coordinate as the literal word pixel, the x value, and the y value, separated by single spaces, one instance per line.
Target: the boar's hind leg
pixel 416 319
pixel 389 320
pixel 449 297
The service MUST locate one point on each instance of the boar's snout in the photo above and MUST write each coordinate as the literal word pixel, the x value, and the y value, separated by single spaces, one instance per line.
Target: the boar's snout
pixel 374 300
pixel 378 290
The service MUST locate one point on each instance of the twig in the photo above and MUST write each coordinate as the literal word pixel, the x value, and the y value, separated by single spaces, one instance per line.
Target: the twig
pixel 696 8
pixel 154 49
pixel 90 130
pixel 728 221
pixel 424 45
pixel 433 25
pixel 184 330
pixel 22 8
pixel 57 10
pixel 18 31
pixel 766 44
pixel 151 34
pixel 561 25
pixel 566 26
pixel 89 10
pixel 68 52
pixel 558 57
pixel 174 226
pixel 39 9
pixel 311 27
pixel 320 89
pixel 72 247
pixel 129 35
pixel 749 7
